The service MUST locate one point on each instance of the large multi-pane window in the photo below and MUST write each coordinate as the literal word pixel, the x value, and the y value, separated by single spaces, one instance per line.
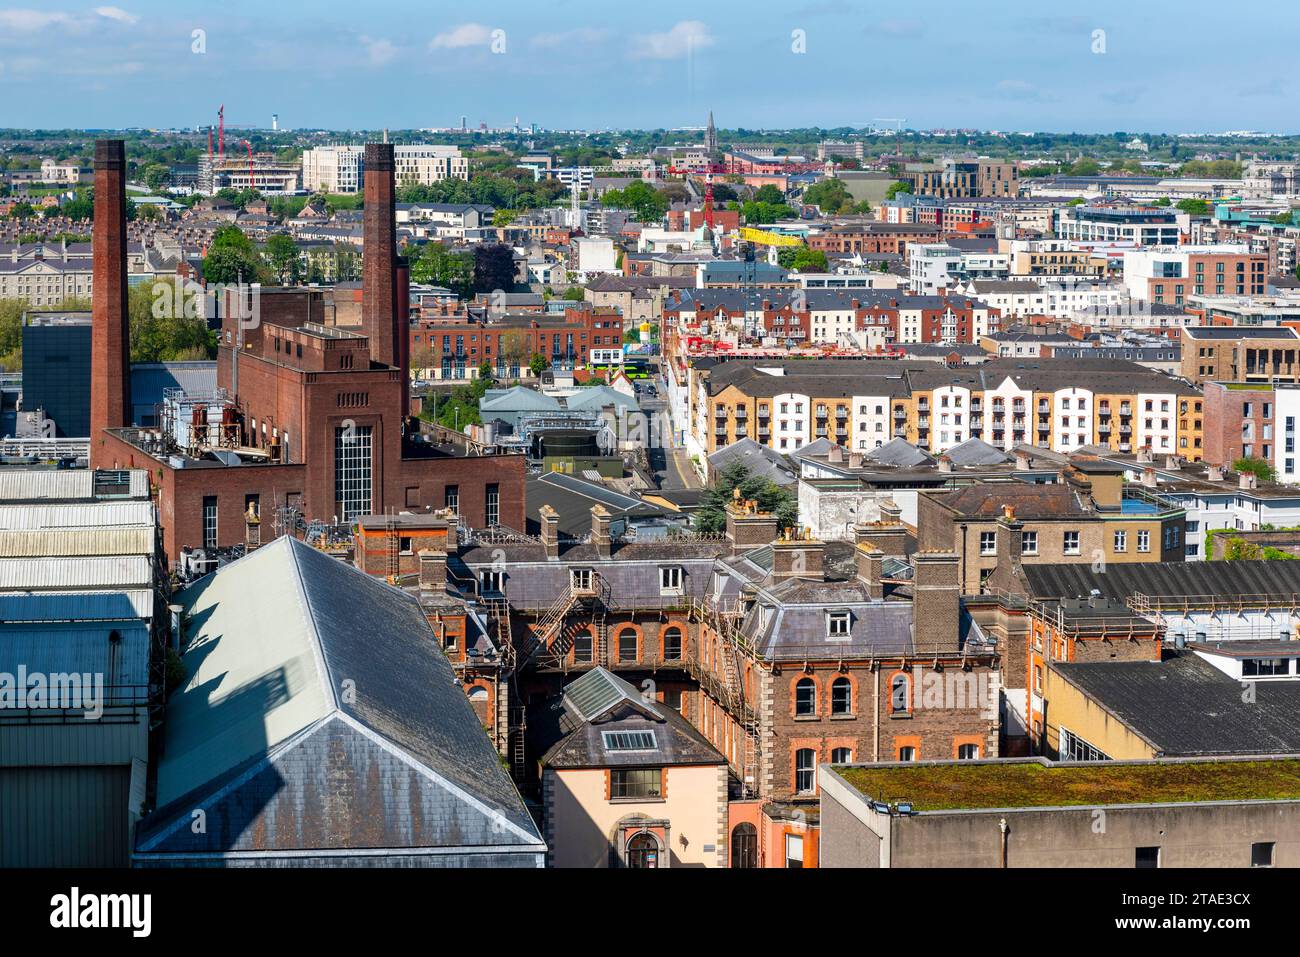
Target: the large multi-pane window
pixel 493 504
pixel 805 770
pixel 209 521
pixel 352 470
pixel 1074 748
pixel 635 782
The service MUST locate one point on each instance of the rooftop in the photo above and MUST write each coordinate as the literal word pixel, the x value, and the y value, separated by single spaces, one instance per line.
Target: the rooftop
pixel 985 785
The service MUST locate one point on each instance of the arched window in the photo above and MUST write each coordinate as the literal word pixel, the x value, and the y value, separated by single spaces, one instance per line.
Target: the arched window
pixel 627 645
pixel 841 696
pixel 900 693
pixel 582 647
pixel 805 770
pixel 841 756
pixel 968 752
pixel 643 851
pixel 805 697
pixel 673 644
pixel 478 697
pixel 744 846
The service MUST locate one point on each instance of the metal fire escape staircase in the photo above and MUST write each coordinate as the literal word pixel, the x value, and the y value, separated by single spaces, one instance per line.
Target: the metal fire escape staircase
pixel 730 690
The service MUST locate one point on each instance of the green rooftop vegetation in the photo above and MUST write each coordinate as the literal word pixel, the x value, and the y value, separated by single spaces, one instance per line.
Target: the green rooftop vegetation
pixel 949 787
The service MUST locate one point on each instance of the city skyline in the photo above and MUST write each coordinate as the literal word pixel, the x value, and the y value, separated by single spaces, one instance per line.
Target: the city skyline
pixel 823 63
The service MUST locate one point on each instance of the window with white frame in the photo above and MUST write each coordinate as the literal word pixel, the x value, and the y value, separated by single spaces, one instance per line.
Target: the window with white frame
pixel 837 624
pixel 1029 543
pixel 988 543
pixel 670 579
pixel 1070 543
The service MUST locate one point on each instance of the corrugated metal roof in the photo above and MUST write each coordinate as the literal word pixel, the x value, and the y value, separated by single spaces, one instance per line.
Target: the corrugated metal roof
pixel 76 542
pixel 80 648
pixel 81 515
pixel 22 485
pixel 44 574
pixel 76 606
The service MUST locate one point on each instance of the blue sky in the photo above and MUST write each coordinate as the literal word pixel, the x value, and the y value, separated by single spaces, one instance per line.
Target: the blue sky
pixel 1155 65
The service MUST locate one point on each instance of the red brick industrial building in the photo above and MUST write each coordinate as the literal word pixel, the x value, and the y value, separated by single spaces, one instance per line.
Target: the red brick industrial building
pixel 310 418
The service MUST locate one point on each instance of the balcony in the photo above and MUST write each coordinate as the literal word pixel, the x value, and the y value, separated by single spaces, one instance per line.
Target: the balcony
pixel 899 415
pixel 822 412
pixel 1125 409
pixel 1044 408
pixel 741 413
pixel 719 412
pixel 841 414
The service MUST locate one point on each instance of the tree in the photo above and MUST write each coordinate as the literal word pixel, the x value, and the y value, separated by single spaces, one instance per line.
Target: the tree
pixel 1259 468
pixel 494 267
pixel 640 197
pixel 282 256
pixel 538 364
pixel 22 210
pixel 1196 207
pixel 157 177
pixel 163 329
pixel 896 187
pixel 11 333
pixel 830 195
pixel 516 348
pixel 575 294
pixel 712 516
pixel 758 214
pixel 439 266
pixel 769 194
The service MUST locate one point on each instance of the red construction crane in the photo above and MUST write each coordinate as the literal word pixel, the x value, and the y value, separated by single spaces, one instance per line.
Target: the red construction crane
pixel 251 178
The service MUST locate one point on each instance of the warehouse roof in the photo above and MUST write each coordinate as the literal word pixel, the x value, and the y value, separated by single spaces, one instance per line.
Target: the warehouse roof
pixel 1184 706
pixel 318 714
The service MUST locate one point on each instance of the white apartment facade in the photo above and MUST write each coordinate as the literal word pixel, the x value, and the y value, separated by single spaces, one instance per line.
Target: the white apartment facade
pixel 341 169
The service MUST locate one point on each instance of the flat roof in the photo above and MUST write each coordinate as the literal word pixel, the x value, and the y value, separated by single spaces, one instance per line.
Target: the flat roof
pixel 983 785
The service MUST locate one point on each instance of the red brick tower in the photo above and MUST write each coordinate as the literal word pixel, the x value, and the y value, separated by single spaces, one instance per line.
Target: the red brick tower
pixel 402 329
pixel 110 363
pixel 379 252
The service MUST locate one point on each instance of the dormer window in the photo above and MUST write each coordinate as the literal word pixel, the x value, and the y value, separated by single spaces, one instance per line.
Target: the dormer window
pixel 837 624
pixel 670 579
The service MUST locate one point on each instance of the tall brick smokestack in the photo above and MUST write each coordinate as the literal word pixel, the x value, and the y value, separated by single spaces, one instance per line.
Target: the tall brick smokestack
pixel 379 252
pixel 110 363
pixel 402 329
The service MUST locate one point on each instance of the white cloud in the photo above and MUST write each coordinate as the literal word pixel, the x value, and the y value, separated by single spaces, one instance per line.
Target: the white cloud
pixel 118 14
pixel 583 35
pixel 378 50
pixel 28 21
pixel 465 35
pixel 683 39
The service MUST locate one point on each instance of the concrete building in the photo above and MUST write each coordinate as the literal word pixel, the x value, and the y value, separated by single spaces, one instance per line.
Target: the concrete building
pixel 80 614
pixel 1241 813
pixel 1169 276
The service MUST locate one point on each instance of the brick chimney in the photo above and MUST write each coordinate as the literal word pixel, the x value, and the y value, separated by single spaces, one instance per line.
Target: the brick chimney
pixel 600 536
pixel 550 522
pixel 936 605
pixel 110 364
pixel 797 556
pixel 379 253
pixel 433 569
pixel 403 328
pixel 747 526
pixel 890 538
pixel 871 569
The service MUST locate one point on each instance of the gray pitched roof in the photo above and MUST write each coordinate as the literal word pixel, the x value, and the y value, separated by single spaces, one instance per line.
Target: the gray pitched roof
pixel 318 714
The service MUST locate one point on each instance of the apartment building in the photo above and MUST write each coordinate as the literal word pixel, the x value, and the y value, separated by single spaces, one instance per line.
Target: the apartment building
pixel 860 403
pixel 1172 275
pixel 1242 354
pixel 965 178
pixel 341 169
pixel 873 237
pixel 1118 225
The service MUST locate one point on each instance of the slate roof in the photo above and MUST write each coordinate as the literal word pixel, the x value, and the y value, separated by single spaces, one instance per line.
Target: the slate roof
pixel 569 731
pixel 319 716
pixel 761 461
pixel 1120 580
pixel 899 452
pixel 976 452
pixel 1031 501
pixel 1185 707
